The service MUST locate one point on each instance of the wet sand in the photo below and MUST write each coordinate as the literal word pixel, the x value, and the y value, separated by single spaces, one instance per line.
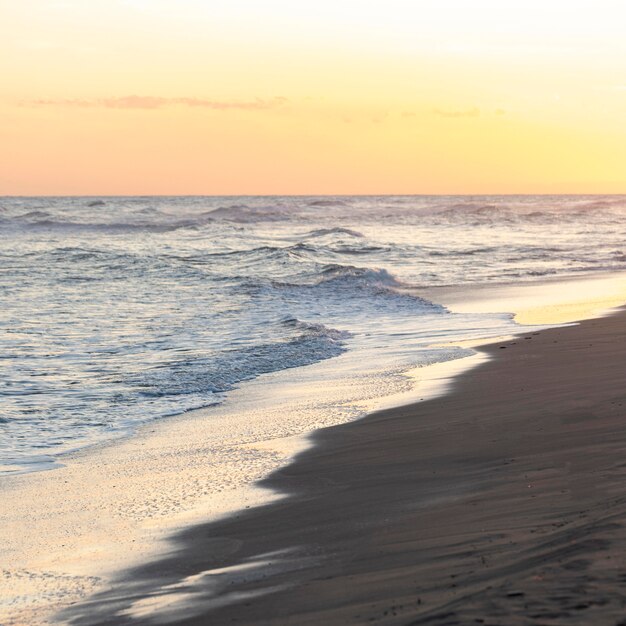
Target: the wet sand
pixel 66 533
pixel 503 502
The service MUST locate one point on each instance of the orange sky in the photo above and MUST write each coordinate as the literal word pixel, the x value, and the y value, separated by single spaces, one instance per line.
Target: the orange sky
pixel 283 97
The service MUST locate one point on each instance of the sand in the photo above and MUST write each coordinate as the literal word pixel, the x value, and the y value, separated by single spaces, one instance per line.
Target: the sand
pixel 556 300
pixel 66 534
pixel 502 502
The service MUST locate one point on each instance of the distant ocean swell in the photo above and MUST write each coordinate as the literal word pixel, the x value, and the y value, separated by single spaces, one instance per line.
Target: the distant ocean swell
pixel 137 214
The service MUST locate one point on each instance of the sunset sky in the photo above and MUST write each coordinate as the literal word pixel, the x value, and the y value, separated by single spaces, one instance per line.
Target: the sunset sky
pixel 298 97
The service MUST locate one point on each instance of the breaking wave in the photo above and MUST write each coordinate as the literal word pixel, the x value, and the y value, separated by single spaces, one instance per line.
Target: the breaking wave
pixel 223 371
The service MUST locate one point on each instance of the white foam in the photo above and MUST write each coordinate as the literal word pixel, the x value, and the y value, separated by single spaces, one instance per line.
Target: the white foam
pixel 114 505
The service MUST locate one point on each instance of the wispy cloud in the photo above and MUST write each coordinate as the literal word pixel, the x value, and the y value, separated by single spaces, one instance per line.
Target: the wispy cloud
pixel 157 102
pixel 474 112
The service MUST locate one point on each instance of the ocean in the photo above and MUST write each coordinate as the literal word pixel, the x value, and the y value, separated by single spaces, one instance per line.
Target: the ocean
pixel 121 310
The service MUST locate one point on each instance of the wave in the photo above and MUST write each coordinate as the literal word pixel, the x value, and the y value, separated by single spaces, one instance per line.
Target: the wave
pixel 464 252
pixel 542 210
pixel 605 203
pixel 261 252
pixel 292 256
pixel 474 207
pixel 134 216
pixel 225 370
pixel 317 330
pixel 244 214
pixel 35 214
pixel 296 250
pixel 326 203
pixel 337 230
pixel 77 254
pixel 358 249
pixel 374 287
pixel 74 226
pixel 477 212
pixel 378 277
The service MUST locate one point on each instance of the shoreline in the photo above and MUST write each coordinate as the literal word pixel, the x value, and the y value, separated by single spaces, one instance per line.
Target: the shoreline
pixel 501 500
pixel 544 309
pixel 549 301
pixel 119 528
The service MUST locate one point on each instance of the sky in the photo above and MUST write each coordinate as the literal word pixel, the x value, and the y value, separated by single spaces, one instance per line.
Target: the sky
pixel 242 97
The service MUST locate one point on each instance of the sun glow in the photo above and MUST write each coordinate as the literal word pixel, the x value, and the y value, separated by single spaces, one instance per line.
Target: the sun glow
pixel 189 96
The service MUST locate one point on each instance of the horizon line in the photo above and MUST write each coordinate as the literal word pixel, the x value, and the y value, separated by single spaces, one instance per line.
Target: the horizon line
pixel 306 195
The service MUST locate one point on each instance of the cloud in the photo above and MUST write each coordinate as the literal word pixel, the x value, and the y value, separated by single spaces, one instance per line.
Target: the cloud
pixel 157 102
pixel 474 112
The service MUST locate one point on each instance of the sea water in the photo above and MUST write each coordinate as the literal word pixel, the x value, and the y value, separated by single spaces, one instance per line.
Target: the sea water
pixel 117 311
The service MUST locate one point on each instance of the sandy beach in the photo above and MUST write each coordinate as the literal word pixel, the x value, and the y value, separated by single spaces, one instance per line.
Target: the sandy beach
pixel 501 502
pixel 312 313
pixel 82 534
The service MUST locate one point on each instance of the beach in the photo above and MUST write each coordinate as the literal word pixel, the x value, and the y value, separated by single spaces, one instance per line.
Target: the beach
pixel 266 395
pixel 312 314
pixel 500 502
pixel 507 467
